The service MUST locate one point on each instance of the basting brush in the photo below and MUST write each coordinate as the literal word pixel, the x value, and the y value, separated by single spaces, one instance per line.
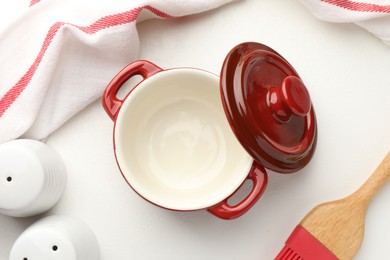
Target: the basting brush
pixel 335 230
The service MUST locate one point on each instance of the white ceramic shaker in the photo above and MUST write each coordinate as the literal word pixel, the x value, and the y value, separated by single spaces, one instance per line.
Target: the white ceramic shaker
pixel 32 177
pixel 56 237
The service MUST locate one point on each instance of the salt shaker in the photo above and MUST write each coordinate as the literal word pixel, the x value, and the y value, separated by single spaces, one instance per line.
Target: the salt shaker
pixel 32 177
pixel 56 237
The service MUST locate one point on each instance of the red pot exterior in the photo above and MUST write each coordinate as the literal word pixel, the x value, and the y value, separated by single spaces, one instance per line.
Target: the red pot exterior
pixel 110 102
pixel 259 178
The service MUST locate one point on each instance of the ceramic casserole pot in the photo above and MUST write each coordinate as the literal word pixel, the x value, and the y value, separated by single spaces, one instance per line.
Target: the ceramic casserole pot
pixel 185 139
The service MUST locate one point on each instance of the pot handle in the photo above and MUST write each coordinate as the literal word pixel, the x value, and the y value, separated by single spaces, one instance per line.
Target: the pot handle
pixel 110 101
pixel 258 176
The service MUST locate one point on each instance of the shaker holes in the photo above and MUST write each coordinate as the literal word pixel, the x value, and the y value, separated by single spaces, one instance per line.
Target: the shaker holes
pixel 25 258
pixel 55 248
pixel 9 179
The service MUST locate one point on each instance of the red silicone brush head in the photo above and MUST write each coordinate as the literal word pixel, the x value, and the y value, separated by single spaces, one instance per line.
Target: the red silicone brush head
pixel 301 245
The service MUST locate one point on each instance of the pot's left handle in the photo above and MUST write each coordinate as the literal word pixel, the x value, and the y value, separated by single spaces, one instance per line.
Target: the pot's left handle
pixel 110 101
pixel 258 176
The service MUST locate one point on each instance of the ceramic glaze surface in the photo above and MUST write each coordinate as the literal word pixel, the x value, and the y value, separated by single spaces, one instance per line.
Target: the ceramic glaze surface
pixel 18 185
pixel 29 246
pixel 32 177
pixel 183 138
pixel 56 237
pixel 268 107
pixel 174 144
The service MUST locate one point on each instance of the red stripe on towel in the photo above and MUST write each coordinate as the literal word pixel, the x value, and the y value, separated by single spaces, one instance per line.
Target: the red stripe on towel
pixel 33 2
pixel 359 7
pixel 103 23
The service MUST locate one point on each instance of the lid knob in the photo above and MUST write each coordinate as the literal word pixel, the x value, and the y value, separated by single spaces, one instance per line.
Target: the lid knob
pixel 291 98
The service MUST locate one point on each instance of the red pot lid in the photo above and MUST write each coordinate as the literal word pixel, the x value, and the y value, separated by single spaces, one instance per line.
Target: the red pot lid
pixel 268 107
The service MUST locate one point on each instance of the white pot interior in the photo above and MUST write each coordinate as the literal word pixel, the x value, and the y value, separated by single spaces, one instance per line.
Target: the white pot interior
pixel 173 142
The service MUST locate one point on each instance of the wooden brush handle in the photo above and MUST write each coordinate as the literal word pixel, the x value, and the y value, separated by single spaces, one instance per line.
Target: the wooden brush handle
pixel 339 225
pixel 374 183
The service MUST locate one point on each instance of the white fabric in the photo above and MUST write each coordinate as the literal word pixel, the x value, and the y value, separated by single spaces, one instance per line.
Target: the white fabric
pixel 373 15
pixel 57 56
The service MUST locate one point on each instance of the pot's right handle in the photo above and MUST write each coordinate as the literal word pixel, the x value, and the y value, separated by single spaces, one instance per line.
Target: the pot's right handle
pixel 110 101
pixel 259 177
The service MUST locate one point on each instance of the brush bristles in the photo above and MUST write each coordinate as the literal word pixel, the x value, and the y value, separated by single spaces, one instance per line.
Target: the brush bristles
pixel 303 245
pixel 288 254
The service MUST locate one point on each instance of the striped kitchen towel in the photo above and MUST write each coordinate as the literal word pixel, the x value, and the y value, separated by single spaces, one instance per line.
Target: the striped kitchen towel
pixel 57 56
pixel 373 15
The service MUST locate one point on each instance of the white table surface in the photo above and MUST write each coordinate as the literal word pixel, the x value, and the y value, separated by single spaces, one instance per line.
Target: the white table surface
pixel 346 70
